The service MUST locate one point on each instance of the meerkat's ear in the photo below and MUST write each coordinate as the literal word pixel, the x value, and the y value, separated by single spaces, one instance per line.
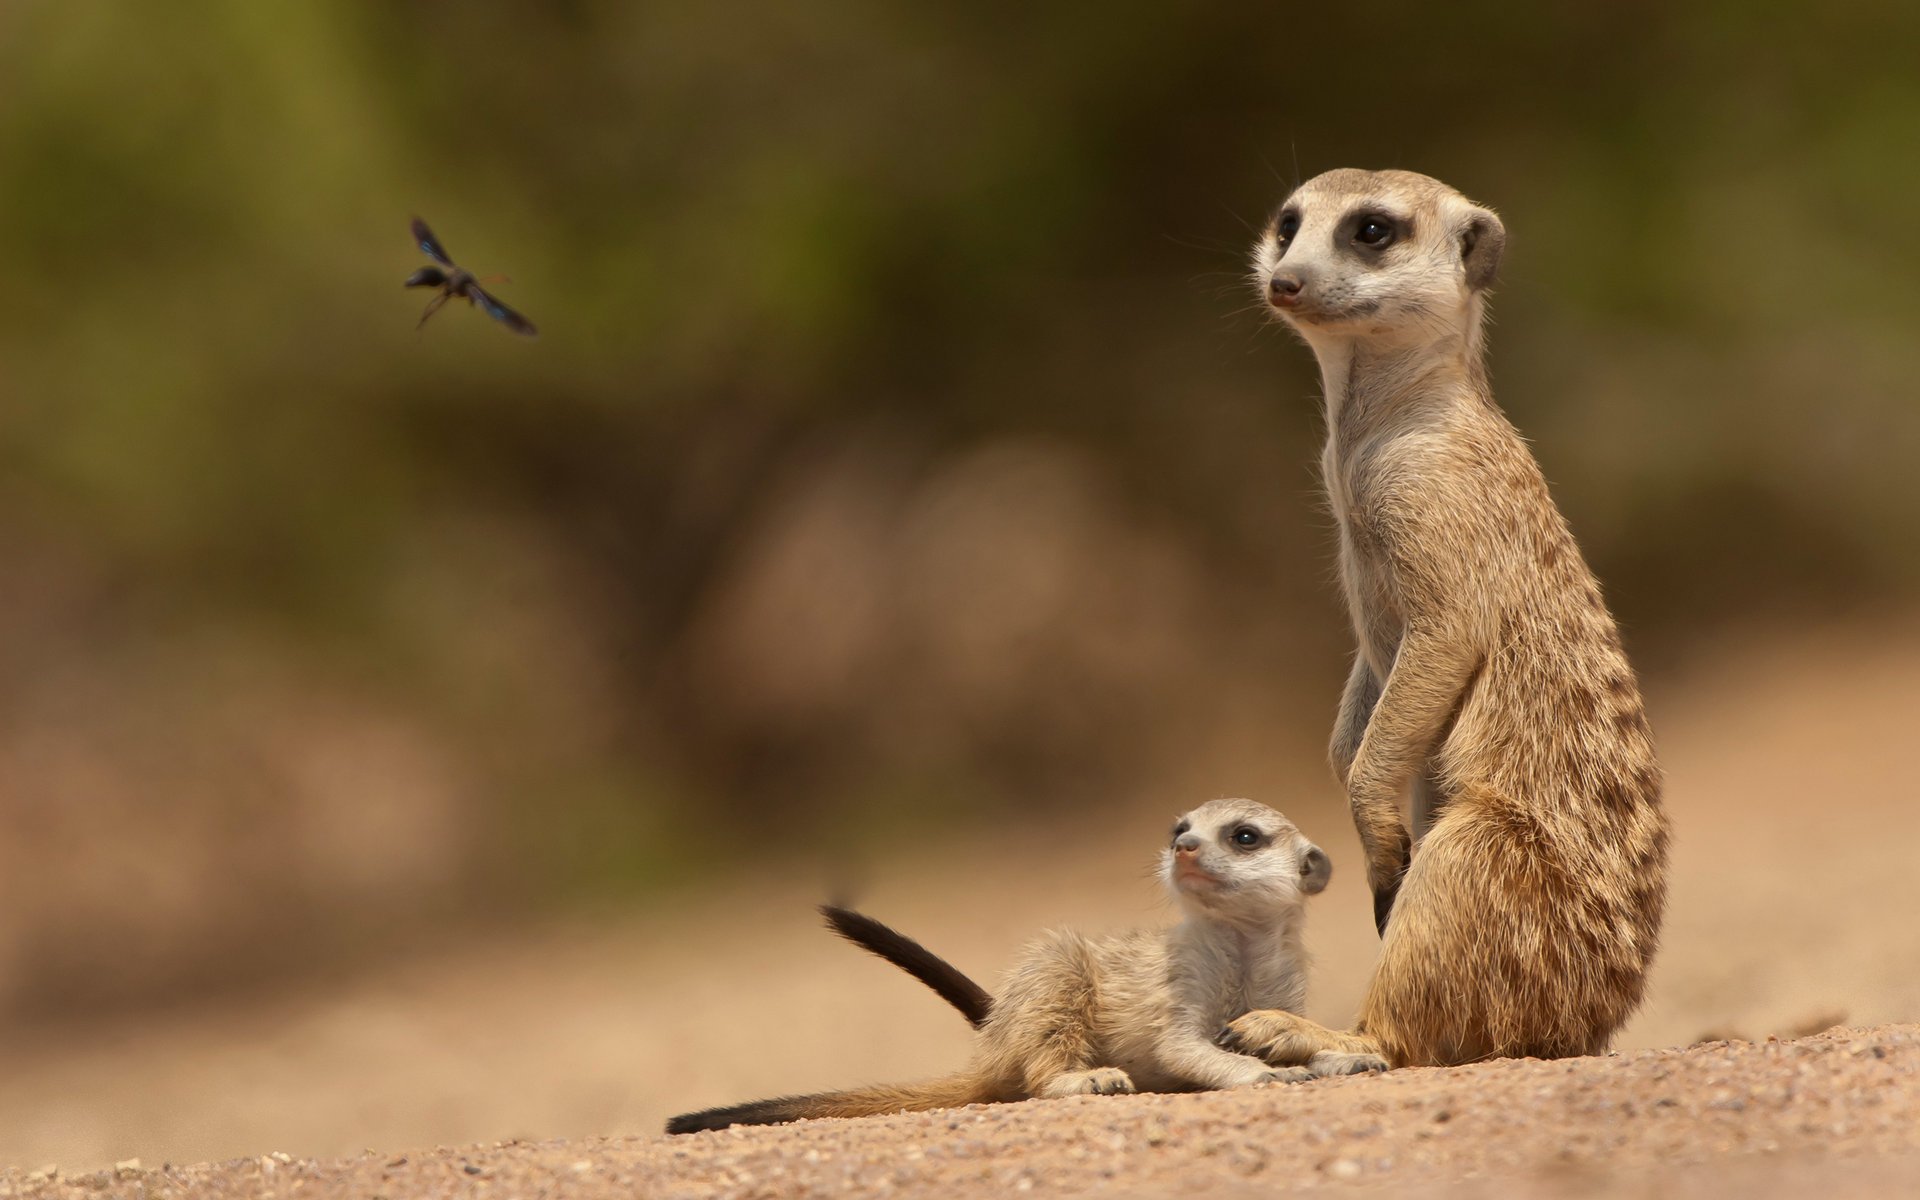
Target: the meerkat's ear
pixel 1482 239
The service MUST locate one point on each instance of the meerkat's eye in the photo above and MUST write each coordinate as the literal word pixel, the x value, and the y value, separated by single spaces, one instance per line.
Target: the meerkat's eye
pixel 1375 232
pixel 1181 828
pixel 1287 226
pixel 1246 836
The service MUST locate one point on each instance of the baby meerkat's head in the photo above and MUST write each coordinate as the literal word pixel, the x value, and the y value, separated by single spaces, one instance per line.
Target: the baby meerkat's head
pixel 1240 859
pixel 1378 254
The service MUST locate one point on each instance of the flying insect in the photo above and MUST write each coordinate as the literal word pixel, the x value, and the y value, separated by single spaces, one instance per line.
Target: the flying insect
pixel 454 281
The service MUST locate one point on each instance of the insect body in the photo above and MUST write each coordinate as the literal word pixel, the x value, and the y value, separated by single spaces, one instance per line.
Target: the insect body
pixel 457 281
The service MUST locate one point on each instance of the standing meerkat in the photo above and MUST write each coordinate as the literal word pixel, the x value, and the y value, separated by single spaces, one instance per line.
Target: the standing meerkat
pixel 1129 1012
pixel 1520 914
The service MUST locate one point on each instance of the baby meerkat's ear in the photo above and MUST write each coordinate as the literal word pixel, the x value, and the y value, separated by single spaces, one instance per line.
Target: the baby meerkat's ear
pixel 1482 239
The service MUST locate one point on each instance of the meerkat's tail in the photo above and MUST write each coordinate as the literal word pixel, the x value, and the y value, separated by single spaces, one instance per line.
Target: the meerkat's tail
pixel 974 1002
pixel 951 1091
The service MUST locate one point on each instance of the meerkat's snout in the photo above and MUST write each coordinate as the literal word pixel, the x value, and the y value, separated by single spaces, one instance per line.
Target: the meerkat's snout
pixel 1316 869
pixel 1188 872
pixel 1283 289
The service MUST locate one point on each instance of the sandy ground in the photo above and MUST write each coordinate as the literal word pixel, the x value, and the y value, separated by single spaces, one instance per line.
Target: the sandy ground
pixel 1793 909
pixel 1838 1115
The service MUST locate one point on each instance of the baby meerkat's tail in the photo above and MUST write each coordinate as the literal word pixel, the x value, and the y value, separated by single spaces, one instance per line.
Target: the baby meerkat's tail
pixel 974 1002
pixel 951 1091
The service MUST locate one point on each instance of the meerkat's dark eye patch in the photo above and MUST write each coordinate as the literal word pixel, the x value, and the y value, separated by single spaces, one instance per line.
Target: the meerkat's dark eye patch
pixel 1377 230
pixel 1246 837
pixel 1181 827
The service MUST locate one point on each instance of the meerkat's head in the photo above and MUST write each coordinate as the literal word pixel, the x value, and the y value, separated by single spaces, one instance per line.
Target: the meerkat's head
pixel 1237 859
pixel 1378 255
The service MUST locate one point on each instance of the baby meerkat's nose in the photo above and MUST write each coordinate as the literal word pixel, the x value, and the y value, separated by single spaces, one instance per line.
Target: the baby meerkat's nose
pixel 1284 288
pixel 1186 843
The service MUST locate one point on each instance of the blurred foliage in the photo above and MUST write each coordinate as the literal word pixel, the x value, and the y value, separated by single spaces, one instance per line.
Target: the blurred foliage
pixel 901 424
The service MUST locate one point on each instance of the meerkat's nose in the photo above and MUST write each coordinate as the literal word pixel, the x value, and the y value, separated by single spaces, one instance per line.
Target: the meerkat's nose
pixel 1284 288
pixel 1186 843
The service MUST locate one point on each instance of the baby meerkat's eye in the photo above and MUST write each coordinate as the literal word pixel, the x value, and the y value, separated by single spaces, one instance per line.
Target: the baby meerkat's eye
pixel 1289 224
pixel 1246 835
pixel 1374 232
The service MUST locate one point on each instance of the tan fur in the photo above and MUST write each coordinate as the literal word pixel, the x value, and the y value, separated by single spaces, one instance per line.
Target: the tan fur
pixel 1489 684
pixel 1136 1011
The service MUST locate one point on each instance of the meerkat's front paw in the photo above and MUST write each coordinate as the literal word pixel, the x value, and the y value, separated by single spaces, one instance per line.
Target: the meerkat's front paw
pixel 1336 1062
pixel 1385 881
pixel 1269 1035
pixel 1383 899
pixel 1101 1081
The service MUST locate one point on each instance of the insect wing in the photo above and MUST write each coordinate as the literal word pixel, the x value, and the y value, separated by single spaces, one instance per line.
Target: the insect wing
pixel 501 313
pixel 429 244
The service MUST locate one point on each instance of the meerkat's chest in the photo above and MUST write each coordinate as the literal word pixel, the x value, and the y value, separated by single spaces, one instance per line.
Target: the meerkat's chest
pixel 1348 477
pixel 1365 575
pixel 1278 981
pixel 1234 984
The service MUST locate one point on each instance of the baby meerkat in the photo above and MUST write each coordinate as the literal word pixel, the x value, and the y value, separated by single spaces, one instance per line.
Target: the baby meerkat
pixel 1520 913
pixel 1128 1012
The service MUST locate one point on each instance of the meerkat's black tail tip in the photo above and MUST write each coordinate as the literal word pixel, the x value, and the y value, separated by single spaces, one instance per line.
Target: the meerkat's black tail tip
pixel 776 1111
pixel 974 1002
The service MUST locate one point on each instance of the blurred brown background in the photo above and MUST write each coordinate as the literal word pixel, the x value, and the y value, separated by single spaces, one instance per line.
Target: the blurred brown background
pixel 441 736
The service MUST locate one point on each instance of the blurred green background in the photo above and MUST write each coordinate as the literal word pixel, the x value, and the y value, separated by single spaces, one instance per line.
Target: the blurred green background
pixel 903 447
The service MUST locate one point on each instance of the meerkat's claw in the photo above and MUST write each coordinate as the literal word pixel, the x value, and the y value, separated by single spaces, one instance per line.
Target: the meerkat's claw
pixel 1111 1082
pixel 1335 1062
pixel 1383 899
pixel 1385 881
pixel 1101 1081
pixel 1268 1036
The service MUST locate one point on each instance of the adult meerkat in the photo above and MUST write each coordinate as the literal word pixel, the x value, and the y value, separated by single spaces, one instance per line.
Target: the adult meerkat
pixel 1128 1012
pixel 1489 680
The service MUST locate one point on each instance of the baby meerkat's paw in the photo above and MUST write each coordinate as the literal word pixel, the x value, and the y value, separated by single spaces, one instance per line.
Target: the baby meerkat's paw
pixel 1335 1062
pixel 1101 1081
pixel 1240 1071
